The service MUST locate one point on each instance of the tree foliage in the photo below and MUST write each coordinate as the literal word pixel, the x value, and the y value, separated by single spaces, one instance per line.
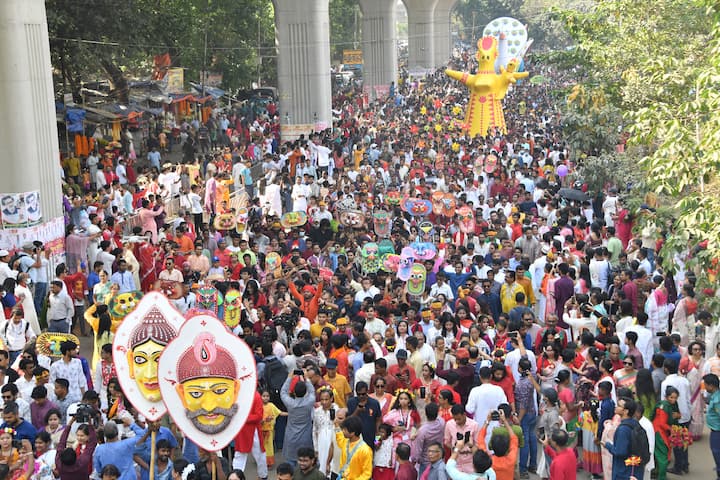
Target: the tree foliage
pixel 658 63
pixel 117 40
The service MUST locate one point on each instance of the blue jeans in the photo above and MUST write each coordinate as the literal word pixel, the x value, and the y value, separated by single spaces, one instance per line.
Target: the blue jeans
pixel 715 449
pixel 529 449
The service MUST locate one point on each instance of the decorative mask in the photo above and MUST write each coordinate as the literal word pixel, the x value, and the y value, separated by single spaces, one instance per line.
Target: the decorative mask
pixel 352 218
pixel 241 220
pixel 393 198
pixel 233 307
pixel 423 250
pixel 171 289
pixel 224 221
pixel 273 264
pixel 208 298
pixel 385 247
pixel 417 207
pixel 293 219
pixel 466 219
pixel 346 203
pixel 405 264
pixel 437 198
pixel 370 258
pixel 448 205
pixel 416 282
pixel 382 222
pixel 390 262
pixel 427 228
pixel 122 304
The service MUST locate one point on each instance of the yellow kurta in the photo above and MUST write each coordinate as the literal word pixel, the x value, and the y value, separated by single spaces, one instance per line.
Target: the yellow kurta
pixel 361 463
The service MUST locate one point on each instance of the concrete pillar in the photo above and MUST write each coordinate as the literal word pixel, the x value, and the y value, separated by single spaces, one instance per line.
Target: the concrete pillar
pixel 379 45
pixel 302 29
pixel 441 30
pixel 28 130
pixel 420 33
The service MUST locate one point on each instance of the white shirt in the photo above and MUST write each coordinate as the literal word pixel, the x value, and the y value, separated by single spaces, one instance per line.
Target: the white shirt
pixel 25 387
pixel 376 325
pixel 6 272
pixel 73 373
pixel 443 289
pixel 650 431
pixel 369 293
pixel 512 360
pixel 175 275
pixel 683 386
pixel 16 335
pixel 483 399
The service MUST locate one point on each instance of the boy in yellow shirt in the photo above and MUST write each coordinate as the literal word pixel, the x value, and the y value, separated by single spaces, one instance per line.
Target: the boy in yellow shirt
pixel 356 457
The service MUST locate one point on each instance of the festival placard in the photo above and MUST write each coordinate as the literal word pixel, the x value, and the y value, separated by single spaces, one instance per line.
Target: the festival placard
pixel 208 380
pixel 139 341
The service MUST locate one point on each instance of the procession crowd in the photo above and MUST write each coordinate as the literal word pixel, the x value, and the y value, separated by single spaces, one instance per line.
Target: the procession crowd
pixel 545 338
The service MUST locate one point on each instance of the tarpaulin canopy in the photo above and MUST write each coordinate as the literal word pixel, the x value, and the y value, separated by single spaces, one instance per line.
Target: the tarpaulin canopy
pixel 212 91
pixel 75 118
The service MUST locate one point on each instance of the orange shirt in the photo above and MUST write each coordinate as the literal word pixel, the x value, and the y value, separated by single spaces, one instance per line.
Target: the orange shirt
pixel 504 466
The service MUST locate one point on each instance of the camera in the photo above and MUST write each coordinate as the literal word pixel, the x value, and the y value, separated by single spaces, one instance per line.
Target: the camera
pixel 495 416
pixel 287 320
pixel 84 413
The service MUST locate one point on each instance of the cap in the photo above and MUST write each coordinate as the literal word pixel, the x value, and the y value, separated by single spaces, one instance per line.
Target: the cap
pixel 471 246
pixel 331 363
pixel 401 354
pixel 28 246
pixel 216 259
pixel 462 353
pixel 550 394
pixel 4 253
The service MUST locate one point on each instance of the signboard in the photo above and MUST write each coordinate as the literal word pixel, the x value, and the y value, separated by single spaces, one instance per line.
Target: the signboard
pixel 352 57
pixel 293 132
pixel 175 80
pixel 212 79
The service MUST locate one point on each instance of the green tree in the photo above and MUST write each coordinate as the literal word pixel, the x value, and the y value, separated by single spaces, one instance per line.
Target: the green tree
pixel 117 40
pixel 658 63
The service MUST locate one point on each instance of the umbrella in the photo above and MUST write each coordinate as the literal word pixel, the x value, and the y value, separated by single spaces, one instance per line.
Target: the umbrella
pixel 572 194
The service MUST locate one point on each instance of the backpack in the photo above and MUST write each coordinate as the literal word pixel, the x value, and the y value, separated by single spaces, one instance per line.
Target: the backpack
pixel 639 445
pixel 274 377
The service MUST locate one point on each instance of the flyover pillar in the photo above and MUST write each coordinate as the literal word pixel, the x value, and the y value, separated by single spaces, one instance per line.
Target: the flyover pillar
pixel 420 33
pixel 30 191
pixel 379 46
pixel 441 29
pixel 302 29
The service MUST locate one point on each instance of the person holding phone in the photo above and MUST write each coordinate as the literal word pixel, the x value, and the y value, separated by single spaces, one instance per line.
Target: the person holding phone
pixel 461 429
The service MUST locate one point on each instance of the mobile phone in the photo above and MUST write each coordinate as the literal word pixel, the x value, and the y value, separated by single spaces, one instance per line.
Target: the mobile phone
pixel 298 371
pixel 541 432
pixel 459 436
pixel 467 437
pixel 661 334
pixel 423 390
pixel 332 414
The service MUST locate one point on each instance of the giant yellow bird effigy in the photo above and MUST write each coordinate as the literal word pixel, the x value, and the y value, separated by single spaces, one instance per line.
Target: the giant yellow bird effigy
pixel 487 89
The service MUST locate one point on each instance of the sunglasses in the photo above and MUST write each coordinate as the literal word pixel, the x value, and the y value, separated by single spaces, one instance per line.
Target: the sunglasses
pixel 628 363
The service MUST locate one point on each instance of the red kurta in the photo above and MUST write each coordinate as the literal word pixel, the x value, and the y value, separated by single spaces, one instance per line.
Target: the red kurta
pixel 244 439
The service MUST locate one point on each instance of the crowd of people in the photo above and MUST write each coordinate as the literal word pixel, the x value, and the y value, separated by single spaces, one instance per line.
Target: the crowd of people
pixel 545 338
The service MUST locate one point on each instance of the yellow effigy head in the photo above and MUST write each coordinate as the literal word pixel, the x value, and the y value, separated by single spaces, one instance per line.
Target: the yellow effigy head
pixel 487 51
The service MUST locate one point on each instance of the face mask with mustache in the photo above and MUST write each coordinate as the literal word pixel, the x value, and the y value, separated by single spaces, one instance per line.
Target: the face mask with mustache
pixel 212 429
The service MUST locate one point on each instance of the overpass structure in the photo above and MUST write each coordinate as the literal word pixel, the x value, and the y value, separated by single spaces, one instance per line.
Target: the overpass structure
pixel 303 38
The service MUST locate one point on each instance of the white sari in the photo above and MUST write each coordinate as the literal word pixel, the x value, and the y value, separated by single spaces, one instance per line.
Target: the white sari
pixel 25 296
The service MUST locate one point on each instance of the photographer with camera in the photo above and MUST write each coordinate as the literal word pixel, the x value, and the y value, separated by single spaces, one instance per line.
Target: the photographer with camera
pixel 504 447
pixel 87 410
pixel 68 463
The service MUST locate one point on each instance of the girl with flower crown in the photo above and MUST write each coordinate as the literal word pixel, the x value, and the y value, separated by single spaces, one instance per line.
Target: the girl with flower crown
pixel 403 417
pixel 324 428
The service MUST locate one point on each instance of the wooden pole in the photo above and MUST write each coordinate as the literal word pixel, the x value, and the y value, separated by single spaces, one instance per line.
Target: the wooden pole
pixel 213 467
pixel 152 454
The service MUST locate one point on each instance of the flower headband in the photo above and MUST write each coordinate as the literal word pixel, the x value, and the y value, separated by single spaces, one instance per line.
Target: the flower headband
pixel 187 471
pixel 326 388
pixel 8 430
pixel 404 390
